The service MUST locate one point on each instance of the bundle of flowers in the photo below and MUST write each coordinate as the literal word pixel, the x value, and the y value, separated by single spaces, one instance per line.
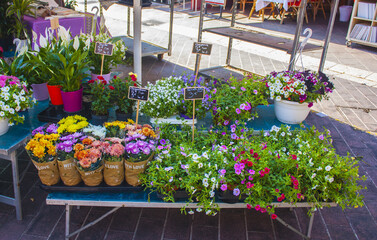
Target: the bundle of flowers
pixel 298 86
pixel 88 154
pixel 41 149
pixel 140 144
pixel 166 98
pixel 235 99
pixel 72 124
pixel 117 128
pixel 98 132
pixel 15 97
pixel 113 153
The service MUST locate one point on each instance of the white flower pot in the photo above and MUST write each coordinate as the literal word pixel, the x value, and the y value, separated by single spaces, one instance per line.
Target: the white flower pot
pixel 4 127
pixel 291 112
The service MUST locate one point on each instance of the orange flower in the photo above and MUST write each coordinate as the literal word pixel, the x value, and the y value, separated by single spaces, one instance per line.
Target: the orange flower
pixel 78 147
pixel 85 163
pixel 81 154
pixel 87 141
pixel 146 131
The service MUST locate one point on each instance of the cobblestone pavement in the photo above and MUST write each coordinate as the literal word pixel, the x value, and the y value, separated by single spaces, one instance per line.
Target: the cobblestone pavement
pixel 352 104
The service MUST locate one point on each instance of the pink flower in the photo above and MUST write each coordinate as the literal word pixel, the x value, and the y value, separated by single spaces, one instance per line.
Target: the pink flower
pixel 257 207
pixel 248 206
pixel 238 111
pixel 274 216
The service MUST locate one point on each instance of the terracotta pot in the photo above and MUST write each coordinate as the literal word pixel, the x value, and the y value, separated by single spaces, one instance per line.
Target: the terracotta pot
pixel 55 94
pixel 72 100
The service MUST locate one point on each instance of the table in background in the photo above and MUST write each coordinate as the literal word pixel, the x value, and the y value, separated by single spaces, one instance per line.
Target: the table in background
pixel 263 3
pixel 15 138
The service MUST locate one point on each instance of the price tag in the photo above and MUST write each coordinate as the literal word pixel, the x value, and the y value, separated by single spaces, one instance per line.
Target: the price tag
pixel 194 93
pixel 104 48
pixel 54 23
pixel 202 48
pixel 141 94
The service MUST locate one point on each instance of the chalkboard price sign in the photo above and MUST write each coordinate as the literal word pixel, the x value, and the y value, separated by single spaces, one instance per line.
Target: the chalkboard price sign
pixel 141 94
pixel 193 93
pixel 104 48
pixel 202 48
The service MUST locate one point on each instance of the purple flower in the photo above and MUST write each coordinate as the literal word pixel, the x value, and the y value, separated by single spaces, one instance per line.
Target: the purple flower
pixel 162 142
pixel 146 151
pixel 53 128
pixel 224 147
pixel 310 104
pixel 233 136
pixel 141 144
pixel 184 154
pixel 68 149
pixel 152 183
pixel 321 137
pixel 255 91
pixel 238 171
pixel 135 150
pixel 250 178
pixel 38 130
pixel 224 187
pixel 223 133
pixel 248 107
pixel 222 171
pixel 226 122
pixel 236 192
pixel 214 91
pixel 243 89
pixel 233 87
pixel 251 171
pixel 233 130
pixel 237 122
pixel 238 111
pixel 183 166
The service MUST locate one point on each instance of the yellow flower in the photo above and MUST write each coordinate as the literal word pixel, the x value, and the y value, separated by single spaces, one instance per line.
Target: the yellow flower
pixel 52 150
pixel 39 152
pixel 72 128
pixel 82 124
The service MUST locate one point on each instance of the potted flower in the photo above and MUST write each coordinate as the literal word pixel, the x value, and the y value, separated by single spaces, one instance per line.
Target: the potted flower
pixel 113 155
pixel 235 99
pixel 294 93
pixel 65 155
pixel 88 155
pixel 119 96
pixel 139 149
pixel 72 124
pixel 116 128
pixel 15 98
pixel 100 93
pixel 41 149
pixel 95 60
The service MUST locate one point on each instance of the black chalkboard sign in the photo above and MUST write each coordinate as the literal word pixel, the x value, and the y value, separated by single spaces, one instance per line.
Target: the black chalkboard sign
pixel 192 93
pixel 136 93
pixel 104 48
pixel 202 48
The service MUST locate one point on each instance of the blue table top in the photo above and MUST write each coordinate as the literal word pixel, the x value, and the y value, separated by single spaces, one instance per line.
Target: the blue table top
pixel 18 134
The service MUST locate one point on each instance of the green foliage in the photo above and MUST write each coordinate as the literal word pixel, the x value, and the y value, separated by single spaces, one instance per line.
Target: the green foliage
pixel 119 96
pixel 101 95
pixel 18 9
pixel 5 20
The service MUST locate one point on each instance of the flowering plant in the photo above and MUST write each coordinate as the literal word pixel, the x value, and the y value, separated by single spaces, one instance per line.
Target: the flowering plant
pixel 41 148
pixel 119 95
pixel 14 98
pixel 298 86
pixel 88 154
pixel 95 60
pixel 98 132
pixel 100 92
pixel 234 99
pixel 116 128
pixel 140 143
pixel 72 124
pixel 49 129
pixel 65 144
pixel 166 98
pixel 113 149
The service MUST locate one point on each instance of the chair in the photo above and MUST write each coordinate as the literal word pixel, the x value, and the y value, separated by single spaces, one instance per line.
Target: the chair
pixel 243 3
pixel 317 5
pixel 261 11
pixel 293 8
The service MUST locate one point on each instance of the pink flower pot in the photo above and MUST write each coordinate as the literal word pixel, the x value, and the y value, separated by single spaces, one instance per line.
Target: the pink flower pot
pixel 72 100
pixel 40 92
pixel 106 77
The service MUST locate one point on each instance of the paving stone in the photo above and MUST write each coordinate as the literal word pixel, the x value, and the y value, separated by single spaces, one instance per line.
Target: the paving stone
pixel 289 217
pixel 258 222
pixel 261 235
pixel 364 226
pixel 334 216
pixel 149 229
pixel 125 219
pixel 232 224
pixel 117 235
pixel 12 228
pixel 178 225
pixel 99 230
pixel 43 223
pixel 341 232
pixel 204 232
pixel 200 219
pixel 32 237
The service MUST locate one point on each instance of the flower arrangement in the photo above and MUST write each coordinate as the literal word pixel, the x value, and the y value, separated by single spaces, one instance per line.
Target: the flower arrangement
pixel 119 95
pixel 66 143
pixel 72 124
pixel 298 86
pixel 139 143
pixel 15 97
pixel 95 60
pixel 235 99
pixel 117 128
pixel 113 149
pixel 100 92
pixel 41 148
pixel 88 154
pixel 98 132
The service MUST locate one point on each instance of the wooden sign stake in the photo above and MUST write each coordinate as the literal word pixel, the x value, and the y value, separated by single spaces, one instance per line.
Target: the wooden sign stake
pixel 137 113
pixel 103 59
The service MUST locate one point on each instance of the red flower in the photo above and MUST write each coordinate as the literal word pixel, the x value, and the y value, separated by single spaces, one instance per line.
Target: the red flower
pixel 255 155
pixel 135 84
pixel 248 206
pixel 104 82
pixel 133 77
pixel 91 81
pixel 251 151
pixel 274 216
pixel 249 164
pixel 100 78
pixel 111 87
pixel 294 157
pixel 276 190
pixel 242 152
pixel 267 170
pixel 115 77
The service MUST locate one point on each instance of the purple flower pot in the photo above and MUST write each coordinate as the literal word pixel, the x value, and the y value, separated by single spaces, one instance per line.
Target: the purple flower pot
pixel 72 100
pixel 40 92
pixel 106 77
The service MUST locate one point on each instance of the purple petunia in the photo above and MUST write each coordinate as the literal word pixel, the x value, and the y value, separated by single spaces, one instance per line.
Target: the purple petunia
pixel 233 136
pixel 236 192
pixel 223 187
pixel 238 111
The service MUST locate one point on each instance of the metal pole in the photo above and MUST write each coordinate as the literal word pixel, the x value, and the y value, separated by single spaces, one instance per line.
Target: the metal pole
pixel 230 43
pixel 200 33
pixel 300 21
pixel 310 225
pixel 16 186
pixel 171 27
pixel 128 21
pixel 67 220
pixel 137 40
pixel 334 8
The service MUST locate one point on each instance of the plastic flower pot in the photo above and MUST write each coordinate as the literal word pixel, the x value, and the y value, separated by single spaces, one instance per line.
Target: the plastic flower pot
pixel 4 127
pixel 72 100
pixel 55 94
pixel 106 77
pixel 99 119
pixel 291 112
pixel 40 92
pixel 121 116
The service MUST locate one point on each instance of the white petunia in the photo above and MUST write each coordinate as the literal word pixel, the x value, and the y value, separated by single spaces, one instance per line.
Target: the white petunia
pixel 328 168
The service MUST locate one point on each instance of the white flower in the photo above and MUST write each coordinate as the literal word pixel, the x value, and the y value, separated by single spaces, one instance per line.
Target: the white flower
pixel 315 187
pixel 11 111
pixel 313 176
pixel 168 169
pixel 278 98
pixel 76 43
pixel 198 209
pixel 319 168
pixel 331 179
pixel 195 156
pixel 2 113
pixel 205 155
pixel 328 168
pixel 282 134
pixel 171 179
pixel 213 179
pixel 200 165
pixel 283 149
pixel 191 212
pixel 211 194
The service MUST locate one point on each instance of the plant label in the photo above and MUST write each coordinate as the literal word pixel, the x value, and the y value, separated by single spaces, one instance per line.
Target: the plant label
pixel 202 48
pixel 136 93
pixel 104 48
pixel 54 23
pixel 194 93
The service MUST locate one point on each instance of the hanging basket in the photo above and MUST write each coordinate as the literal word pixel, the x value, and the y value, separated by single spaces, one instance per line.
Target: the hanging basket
pixel 291 112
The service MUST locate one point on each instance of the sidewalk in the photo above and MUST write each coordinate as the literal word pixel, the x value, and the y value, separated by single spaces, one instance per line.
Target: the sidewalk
pixel 353 103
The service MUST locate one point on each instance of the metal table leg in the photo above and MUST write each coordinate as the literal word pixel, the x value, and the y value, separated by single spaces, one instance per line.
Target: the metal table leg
pixel 67 220
pixel 16 185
